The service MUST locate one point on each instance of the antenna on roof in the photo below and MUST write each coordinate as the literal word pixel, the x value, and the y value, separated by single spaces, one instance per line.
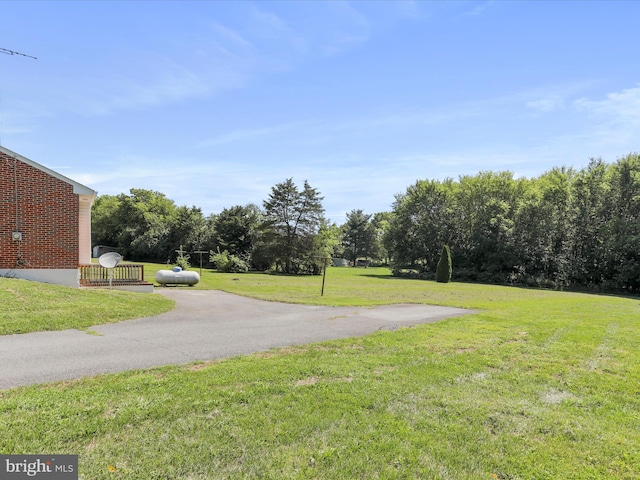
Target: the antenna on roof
pixel 11 52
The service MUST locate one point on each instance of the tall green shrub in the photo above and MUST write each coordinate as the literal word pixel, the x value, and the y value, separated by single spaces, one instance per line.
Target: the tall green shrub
pixel 227 263
pixel 443 271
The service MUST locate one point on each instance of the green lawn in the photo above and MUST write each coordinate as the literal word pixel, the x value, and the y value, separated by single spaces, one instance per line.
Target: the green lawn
pixel 33 306
pixel 538 385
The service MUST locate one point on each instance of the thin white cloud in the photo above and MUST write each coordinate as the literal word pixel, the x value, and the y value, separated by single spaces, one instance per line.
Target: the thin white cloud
pixel 347 28
pixel 616 118
pixel 163 81
pixel 211 60
pixel 478 8
pixel 251 133
pixel 176 84
pixel 547 105
pixel 554 98
pixel 408 8
pixel 12 125
pixel 232 36
pixel 620 106
pixel 269 29
pixel 325 28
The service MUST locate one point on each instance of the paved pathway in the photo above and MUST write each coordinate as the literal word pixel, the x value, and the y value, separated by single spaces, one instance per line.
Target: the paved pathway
pixel 204 325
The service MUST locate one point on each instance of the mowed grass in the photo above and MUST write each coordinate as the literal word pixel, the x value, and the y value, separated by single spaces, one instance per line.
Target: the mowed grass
pixel 344 286
pixel 537 385
pixel 32 306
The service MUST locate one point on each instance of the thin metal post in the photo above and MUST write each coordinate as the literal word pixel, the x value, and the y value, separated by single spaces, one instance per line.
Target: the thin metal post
pixel 324 274
pixel 200 252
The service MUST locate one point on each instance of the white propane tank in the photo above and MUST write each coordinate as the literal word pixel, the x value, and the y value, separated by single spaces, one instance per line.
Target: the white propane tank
pixel 177 276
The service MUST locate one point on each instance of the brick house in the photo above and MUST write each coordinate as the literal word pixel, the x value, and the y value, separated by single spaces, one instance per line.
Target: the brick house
pixel 45 222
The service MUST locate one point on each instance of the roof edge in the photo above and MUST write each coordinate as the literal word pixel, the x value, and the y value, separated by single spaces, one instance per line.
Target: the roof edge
pixel 78 188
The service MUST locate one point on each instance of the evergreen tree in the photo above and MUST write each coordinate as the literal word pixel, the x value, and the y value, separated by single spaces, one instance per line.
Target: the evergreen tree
pixel 236 229
pixel 443 271
pixel 358 235
pixel 293 219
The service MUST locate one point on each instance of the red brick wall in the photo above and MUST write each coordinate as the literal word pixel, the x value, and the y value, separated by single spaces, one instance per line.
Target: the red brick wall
pixel 47 218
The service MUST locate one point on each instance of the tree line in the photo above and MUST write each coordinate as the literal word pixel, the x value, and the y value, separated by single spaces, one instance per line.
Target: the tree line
pixel 566 228
pixel 289 234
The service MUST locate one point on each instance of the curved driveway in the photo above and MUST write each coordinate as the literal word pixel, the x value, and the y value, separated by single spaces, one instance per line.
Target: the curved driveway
pixel 204 325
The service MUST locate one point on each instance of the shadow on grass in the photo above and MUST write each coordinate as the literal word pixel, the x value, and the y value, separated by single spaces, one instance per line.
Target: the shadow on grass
pixel 386 277
pixel 578 290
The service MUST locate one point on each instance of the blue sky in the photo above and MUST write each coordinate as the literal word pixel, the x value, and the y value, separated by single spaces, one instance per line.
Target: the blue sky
pixel 213 103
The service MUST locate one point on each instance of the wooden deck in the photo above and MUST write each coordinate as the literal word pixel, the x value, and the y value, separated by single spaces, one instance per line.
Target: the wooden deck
pixel 94 275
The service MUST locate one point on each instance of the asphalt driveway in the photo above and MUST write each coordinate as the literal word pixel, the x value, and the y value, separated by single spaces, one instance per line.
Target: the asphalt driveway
pixel 204 325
